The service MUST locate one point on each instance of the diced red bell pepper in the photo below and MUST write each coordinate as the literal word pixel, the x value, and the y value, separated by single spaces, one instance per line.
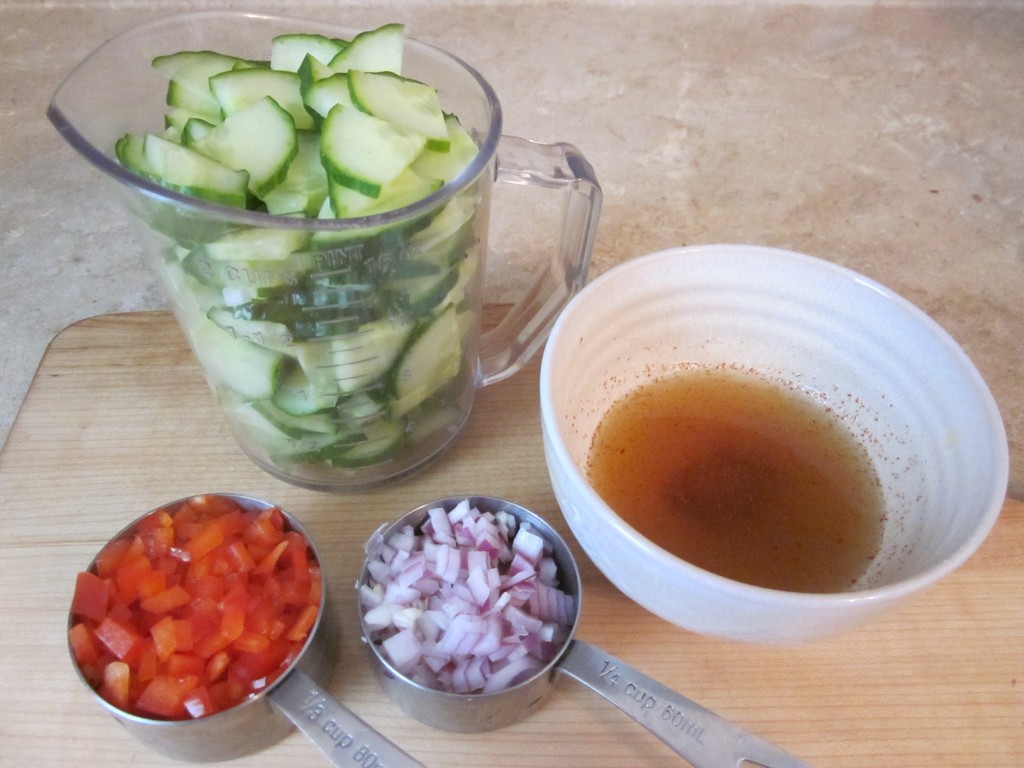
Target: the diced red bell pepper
pixel 164 696
pixel 183 635
pixel 216 666
pixel 268 563
pixel 116 684
pixel 80 638
pixel 165 638
pixel 92 596
pixel 195 610
pixel 199 703
pixel 148 665
pixel 180 664
pixel 298 631
pixel 251 642
pixel 166 601
pixel 119 639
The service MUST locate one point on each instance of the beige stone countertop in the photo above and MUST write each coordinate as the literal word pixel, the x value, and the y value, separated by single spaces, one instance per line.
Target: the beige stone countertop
pixel 885 137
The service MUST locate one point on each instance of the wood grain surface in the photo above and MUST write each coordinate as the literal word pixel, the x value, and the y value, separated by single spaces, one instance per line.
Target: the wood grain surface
pixel 119 420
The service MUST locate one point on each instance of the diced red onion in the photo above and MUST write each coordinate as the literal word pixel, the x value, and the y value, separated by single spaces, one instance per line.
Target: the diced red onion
pixel 468 603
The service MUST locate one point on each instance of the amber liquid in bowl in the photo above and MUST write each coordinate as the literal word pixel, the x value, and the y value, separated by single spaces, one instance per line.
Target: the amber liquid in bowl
pixel 741 477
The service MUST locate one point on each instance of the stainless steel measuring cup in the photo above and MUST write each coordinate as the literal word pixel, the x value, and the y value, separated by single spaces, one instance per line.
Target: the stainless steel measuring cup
pixel 294 699
pixel 700 736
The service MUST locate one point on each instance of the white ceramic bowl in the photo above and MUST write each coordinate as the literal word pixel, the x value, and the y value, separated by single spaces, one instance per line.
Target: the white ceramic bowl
pixel 933 430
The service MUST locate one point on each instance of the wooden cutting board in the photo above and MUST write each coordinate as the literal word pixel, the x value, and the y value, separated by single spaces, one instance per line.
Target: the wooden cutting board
pixel 118 420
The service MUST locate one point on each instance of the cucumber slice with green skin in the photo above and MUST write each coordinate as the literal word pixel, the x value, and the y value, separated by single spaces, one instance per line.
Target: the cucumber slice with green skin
pixel 185 170
pixel 432 360
pixel 419 295
pixel 259 139
pixel 176 118
pixel 249 370
pixel 296 395
pixel 303 324
pixel 194 129
pixel 467 270
pixel 189 73
pixel 282 448
pixel 380 441
pixel 238 89
pixel 296 426
pixel 406 103
pixel 365 153
pixel 251 258
pixel 242 278
pixel 304 188
pixel 312 311
pixel 259 244
pixel 354 361
pixel 130 152
pixel 402 191
pixel 450 163
pixel 312 70
pixel 287 51
pixel 376 50
pixel 321 96
pixel 360 408
pixel 444 240
pixel 273 336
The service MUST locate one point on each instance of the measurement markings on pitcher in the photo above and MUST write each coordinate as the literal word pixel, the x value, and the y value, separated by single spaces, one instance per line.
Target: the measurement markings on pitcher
pixel 648 702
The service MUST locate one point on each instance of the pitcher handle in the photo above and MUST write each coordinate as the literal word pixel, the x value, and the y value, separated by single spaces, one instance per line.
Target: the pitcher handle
pixel 509 345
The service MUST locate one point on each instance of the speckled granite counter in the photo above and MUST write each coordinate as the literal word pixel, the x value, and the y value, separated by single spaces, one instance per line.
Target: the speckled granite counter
pixel 885 137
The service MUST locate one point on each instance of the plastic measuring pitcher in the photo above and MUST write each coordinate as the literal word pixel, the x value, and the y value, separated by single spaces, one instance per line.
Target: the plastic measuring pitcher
pixel 344 353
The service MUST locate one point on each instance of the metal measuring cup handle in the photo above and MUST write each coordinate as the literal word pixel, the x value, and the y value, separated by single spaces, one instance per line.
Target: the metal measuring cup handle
pixel 697 734
pixel 342 736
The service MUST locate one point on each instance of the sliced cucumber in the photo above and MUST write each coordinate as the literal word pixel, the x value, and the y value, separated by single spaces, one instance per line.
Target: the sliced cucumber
pixel 281 447
pixel 322 95
pixel 467 270
pixel 406 103
pixel 238 89
pixel 312 312
pixel 260 139
pixel 298 396
pixel 431 361
pixel 354 361
pixel 304 188
pixel 342 348
pixel 258 244
pixel 362 407
pixel 130 152
pixel 177 118
pixel 273 336
pixel 376 50
pixel 187 171
pixel 450 163
pixel 242 277
pixel 287 51
pixel 418 295
pixel 296 426
pixel 249 370
pixel 407 188
pixel 380 441
pixel 312 71
pixel 189 73
pixel 444 240
pixel 365 153
pixel 195 128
